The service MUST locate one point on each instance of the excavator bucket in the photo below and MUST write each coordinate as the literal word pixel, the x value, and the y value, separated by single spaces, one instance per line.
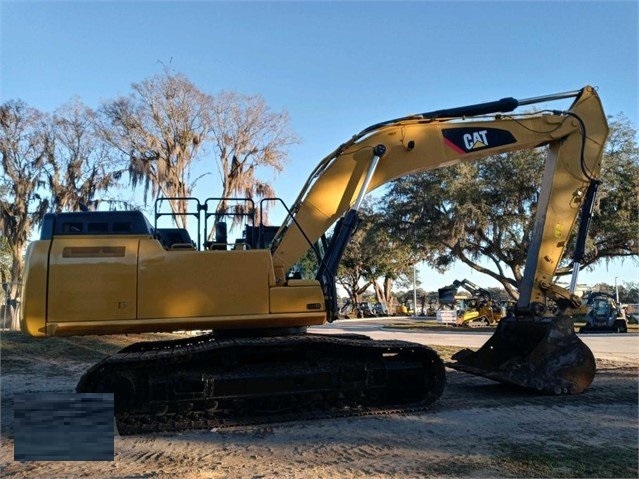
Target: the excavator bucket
pixel 447 295
pixel 544 355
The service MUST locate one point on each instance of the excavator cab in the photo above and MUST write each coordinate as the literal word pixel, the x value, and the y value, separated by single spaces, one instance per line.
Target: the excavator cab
pixel 447 295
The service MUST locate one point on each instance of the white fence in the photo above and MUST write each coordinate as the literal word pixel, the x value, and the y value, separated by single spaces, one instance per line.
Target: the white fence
pixel 445 316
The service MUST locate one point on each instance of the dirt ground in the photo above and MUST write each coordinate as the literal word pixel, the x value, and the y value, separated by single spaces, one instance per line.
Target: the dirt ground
pixel 477 429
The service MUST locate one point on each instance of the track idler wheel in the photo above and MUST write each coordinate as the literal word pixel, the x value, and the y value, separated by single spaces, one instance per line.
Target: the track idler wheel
pixel 121 384
pixel 542 354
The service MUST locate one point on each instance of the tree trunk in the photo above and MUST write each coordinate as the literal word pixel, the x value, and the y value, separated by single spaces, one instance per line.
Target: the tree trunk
pixel 12 296
pixel 383 294
pixel 12 289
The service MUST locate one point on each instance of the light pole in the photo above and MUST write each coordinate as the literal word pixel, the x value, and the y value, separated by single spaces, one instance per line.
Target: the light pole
pixel 616 290
pixel 414 290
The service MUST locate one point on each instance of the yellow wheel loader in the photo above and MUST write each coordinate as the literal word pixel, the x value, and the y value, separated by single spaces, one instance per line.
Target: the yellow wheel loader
pixel 479 310
pixel 96 273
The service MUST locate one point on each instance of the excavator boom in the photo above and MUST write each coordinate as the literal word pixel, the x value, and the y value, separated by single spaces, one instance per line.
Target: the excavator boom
pixel 428 141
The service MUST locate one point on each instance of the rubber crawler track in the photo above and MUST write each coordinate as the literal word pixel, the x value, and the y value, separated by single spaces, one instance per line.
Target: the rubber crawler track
pixel 204 382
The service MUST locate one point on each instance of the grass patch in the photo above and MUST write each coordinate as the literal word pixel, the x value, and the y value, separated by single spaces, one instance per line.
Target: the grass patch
pixel 432 325
pixel 522 460
pixel 457 466
pixel 18 349
pixel 17 346
pixel 632 328
pixel 445 352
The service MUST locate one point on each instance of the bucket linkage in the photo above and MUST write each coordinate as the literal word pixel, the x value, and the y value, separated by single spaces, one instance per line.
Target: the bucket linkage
pixel 542 354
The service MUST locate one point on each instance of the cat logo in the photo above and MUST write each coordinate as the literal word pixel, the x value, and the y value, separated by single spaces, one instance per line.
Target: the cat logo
pixel 466 140
pixel 472 141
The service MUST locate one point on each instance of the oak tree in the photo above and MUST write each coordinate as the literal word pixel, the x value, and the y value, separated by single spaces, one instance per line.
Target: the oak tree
pixel 26 143
pixel 248 139
pixel 159 129
pixel 82 166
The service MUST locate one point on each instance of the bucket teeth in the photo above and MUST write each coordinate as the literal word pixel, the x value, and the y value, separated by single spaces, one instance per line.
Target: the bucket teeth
pixel 543 354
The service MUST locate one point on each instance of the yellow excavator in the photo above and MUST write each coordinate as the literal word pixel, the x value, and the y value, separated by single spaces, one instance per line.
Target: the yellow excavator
pixel 480 310
pixel 94 273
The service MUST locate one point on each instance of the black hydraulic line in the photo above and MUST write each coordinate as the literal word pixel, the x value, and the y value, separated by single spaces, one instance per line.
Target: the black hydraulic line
pixel 504 105
pixel 499 106
pixel 344 230
pixel 582 234
pixel 584 221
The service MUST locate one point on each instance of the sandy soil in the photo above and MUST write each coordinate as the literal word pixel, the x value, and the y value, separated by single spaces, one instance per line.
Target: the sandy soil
pixel 477 429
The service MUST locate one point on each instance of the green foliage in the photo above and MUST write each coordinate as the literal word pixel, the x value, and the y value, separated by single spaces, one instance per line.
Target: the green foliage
pixel 375 257
pixel 615 226
pixel 308 264
pixel 386 256
pixel 470 212
pixel 628 291
pixel 481 213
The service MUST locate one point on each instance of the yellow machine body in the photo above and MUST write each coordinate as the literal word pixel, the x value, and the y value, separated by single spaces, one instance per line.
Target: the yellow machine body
pixel 484 314
pixel 127 284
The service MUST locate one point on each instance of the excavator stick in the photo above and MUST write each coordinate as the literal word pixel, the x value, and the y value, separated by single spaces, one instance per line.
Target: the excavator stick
pixel 542 354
